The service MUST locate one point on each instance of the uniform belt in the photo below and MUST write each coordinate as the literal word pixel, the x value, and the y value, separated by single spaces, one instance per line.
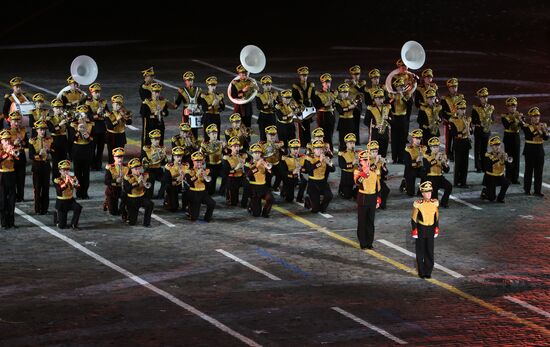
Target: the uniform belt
pixel 330 109
pixel 315 178
pixel 216 163
pixel 425 225
pixel 290 121
pixel 115 132
pixel 365 192
pixel 348 170
pixel 292 176
pixel 400 114
pixel 136 195
pixel 80 143
pixel 433 174
pixel 7 170
pixel 64 197
pixel 197 189
pixel 257 183
pixel 534 142
pixel 511 131
pixel 264 112
pixel 54 134
pixel 235 175
pixel 346 117
pixel 494 174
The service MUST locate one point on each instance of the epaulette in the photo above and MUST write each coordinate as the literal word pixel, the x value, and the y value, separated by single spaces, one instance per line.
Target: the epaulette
pixel 6 96
pixel 435 202
pixel 108 167
pixel 57 180
pixel 146 147
pixel 417 203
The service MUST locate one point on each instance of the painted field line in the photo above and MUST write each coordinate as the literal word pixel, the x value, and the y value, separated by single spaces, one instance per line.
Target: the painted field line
pixel 248 265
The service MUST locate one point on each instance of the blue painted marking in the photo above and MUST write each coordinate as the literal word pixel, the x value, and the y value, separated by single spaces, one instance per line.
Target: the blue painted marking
pixel 289 266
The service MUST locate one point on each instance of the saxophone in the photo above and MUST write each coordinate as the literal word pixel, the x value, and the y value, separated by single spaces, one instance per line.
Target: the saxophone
pixel 486 119
pixel 384 123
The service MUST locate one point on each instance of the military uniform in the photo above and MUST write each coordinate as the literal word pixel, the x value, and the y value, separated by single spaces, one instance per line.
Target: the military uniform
pixel 174 180
pixel 72 98
pixel 374 76
pixel 377 120
pixel 39 149
pixel 317 186
pixel 265 103
pixel 212 104
pixel 233 168
pixel 292 168
pixel 273 151
pixel 153 113
pixel 378 165
pixel 324 103
pixel 493 164
pixel 425 227
pixel 286 113
pixel 237 86
pixel 401 108
pixel 368 197
pixel 57 126
pixel 302 93
pixel 429 117
pixel 482 119
pixel 255 172
pixel 82 152
pixel 414 164
pixel 242 132
pixel 188 143
pixel 535 135
pixel 114 178
pixel 98 109
pixel 347 161
pixel 9 100
pixel 189 96
pixel 512 124
pixel 65 200
pixel 357 91
pixel 435 164
pixel 7 184
pixel 145 88
pixel 116 122
pixel 213 152
pixel 155 157
pixel 448 104
pixel 345 106
pixel 420 97
pixel 198 179
pixel 134 187
pixel 39 113
pixel 21 141
pixel 460 135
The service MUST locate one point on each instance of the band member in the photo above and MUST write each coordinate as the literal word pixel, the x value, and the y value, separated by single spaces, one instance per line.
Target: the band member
pixel 345 105
pixel 357 89
pixel 482 119
pixel 197 177
pixel 347 161
pixel 153 111
pixel 212 148
pixel 449 109
pixel 512 122
pixel 40 112
pixel 40 148
pixel 426 84
pixel 189 95
pixel 401 103
pixel 20 141
pixel 116 122
pixel 153 160
pixel 212 104
pixel 318 135
pixel 368 200
pixel 493 163
pixel 273 151
pixel 135 184
pixel 174 174
pixel 374 76
pixel 57 125
pixel 425 227
pixel 291 170
pixel 233 166
pixel 8 156
pixel 460 134
pixel 243 88
pixel 74 96
pixel 303 92
pixel 186 140
pixel 378 164
pixel 323 101
pixel 318 167
pixel 288 112
pixel 535 135
pixel 18 97
pixel 98 108
pixel 414 162
pixel 255 172
pixel 115 198
pixel 81 138
pixel 403 73
pixel 265 103
pixel 429 116
pixel 145 89
pixel 65 185
pixel 435 164
pixel 238 130
pixel 377 119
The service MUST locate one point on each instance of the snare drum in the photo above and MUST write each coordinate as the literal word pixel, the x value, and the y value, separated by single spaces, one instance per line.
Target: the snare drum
pixel 195 121
pixel 307 113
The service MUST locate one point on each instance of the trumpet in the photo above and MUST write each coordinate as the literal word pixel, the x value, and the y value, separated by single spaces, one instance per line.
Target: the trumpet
pixel 265 164
pixel 503 156
pixel 542 128
pixel 13 151
pixel 442 158
pixel 71 179
pixel 141 180
pixel 297 166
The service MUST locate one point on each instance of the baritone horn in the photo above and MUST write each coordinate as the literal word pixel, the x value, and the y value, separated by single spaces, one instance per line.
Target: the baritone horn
pixel 253 60
pixel 413 56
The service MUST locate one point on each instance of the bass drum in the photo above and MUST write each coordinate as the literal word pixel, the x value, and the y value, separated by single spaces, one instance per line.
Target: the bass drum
pixel 195 121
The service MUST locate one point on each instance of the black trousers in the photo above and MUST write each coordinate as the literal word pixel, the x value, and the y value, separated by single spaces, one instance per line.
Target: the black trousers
pixel 461 151
pixel 425 255
pixel 196 198
pixel 304 132
pixel 316 188
pixel 449 140
pixel 275 172
pixel 245 110
pixel 211 118
pixel 288 188
pixel 232 190
pixel 481 140
pixel 366 208
pixel 59 153
pixel 114 140
pixel 286 132
pixel 215 172
pixel 534 165
pixel 384 193
pixel 383 141
pixel 327 121
pixel 133 206
pixel 357 124
pixel 347 188
pixel 98 145
pixel 399 133
pixel 410 179
pixel 171 200
pixel 116 200
pixel 41 171
pixel 265 120
pixel 440 182
pixel 82 159
pixel 7 198
pixel 63 207
pixel 156 174
pixel 512 148
pixel 491 183
pixel 20 167
pixel 345 126
pixel 257 193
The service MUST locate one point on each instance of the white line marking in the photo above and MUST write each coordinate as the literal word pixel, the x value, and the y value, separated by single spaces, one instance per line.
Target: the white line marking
pixel 248 265
pixel 39 88
pixel 160 219
pixel 528 306
pixel 71 44
pixel 167 84
pixel 368 325
pixel 355 48
pixel 534 95
pixel 465 202
pixel 131 127
pixel 326 215
pixel 296 233
pixel 138 280
pixel 411 254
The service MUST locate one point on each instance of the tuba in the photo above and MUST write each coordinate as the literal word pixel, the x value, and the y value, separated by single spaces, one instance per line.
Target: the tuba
pixel 413 56
pixel 253 60
pixel 84 71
